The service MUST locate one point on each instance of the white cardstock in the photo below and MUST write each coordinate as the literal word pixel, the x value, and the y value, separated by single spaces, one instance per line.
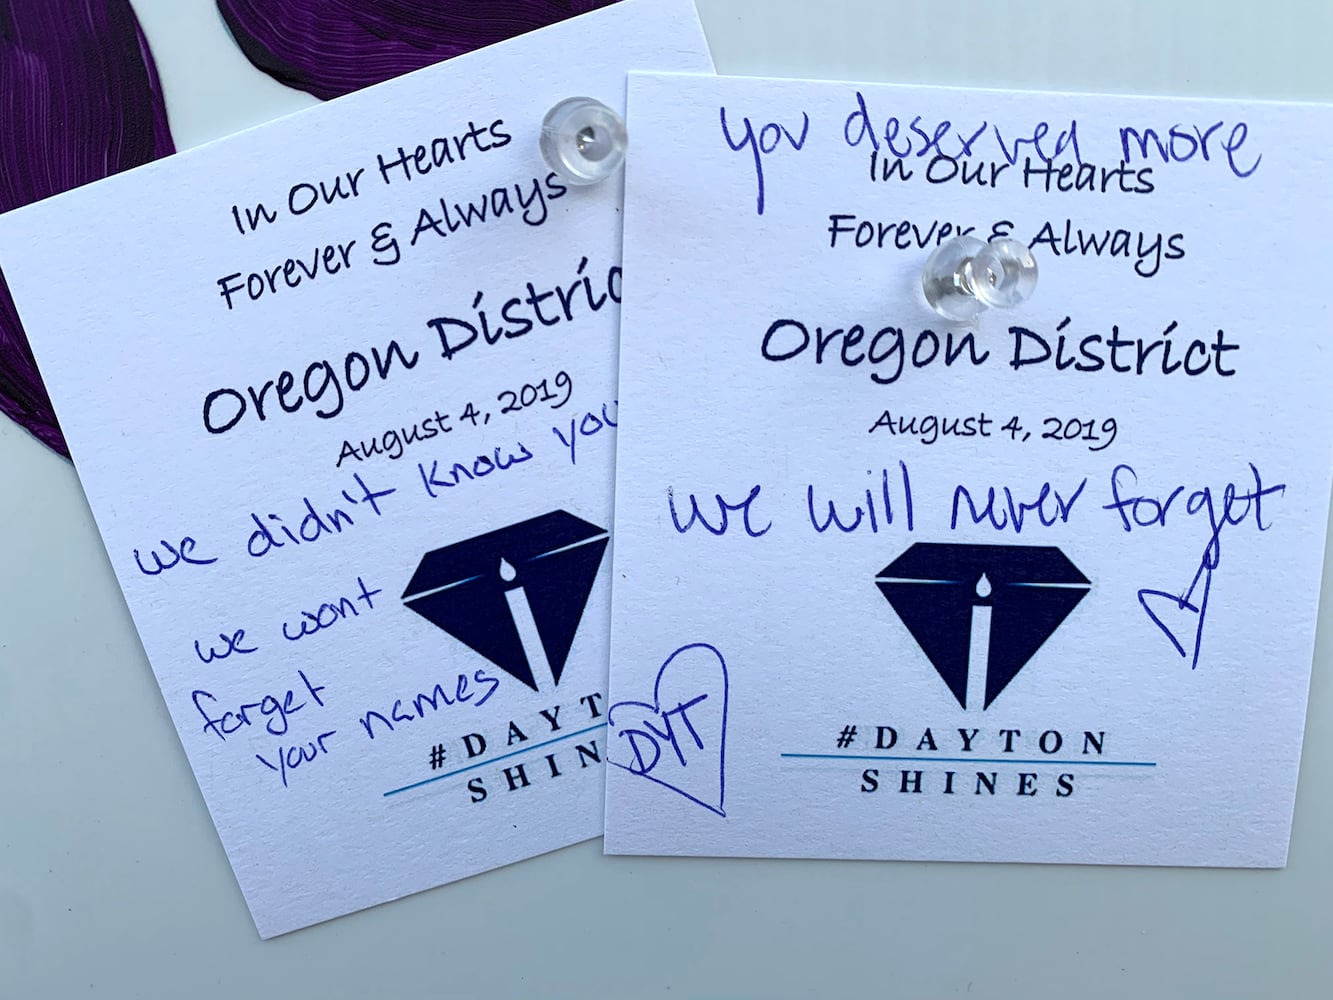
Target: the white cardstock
pixel 1040 587
pixel 341 393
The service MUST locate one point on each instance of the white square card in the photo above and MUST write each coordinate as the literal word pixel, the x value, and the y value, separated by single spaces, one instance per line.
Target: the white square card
pixel 1041 586
pixel 341 393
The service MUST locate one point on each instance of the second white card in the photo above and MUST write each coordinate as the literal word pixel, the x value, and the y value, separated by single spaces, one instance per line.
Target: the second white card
pixel 341 393
pixel 1036 587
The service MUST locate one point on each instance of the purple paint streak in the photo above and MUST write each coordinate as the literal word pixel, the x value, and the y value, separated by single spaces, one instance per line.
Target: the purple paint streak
pixel 333 47
pixel 79 100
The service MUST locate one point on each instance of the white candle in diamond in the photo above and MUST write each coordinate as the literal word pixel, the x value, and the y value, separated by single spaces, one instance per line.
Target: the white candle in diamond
pixel 521 612
pixel 979 648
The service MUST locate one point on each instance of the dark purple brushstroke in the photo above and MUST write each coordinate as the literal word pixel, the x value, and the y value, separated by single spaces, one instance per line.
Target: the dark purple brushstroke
pixel 79 100
pixel 333 47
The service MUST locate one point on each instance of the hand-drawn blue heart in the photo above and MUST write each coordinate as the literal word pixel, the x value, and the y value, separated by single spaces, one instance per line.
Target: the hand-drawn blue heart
pixel 1180 620
pixel 679 740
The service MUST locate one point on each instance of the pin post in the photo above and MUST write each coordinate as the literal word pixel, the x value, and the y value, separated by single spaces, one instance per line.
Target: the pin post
pixel 583 140
pixel 966 276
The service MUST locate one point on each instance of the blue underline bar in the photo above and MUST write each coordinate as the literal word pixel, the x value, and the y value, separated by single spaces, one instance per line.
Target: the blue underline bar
pixel 494 760
pixel 973 760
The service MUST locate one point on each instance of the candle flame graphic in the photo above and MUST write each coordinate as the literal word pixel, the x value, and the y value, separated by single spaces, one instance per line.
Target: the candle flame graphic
pixel 507 572
pixel 983 586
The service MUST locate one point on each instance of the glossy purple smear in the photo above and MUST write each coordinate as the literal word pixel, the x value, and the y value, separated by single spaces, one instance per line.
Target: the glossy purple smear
pixel 333 47
pixel 79 100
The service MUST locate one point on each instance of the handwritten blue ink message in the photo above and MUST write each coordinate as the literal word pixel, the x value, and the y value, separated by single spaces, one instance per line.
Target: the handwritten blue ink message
pixel 679 739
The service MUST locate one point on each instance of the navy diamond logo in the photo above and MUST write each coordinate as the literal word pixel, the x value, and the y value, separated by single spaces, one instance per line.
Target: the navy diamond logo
pixel 515 595
pixel 980 612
